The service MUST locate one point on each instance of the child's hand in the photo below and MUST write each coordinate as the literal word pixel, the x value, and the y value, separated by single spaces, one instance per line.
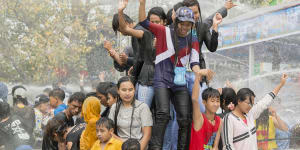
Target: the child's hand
pixel 284 77
pixel 217 19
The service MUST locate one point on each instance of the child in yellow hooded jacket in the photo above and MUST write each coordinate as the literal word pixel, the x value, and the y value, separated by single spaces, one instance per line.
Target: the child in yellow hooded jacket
pixel 91 112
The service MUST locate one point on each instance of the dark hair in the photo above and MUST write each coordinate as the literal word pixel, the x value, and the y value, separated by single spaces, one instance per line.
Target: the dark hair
pixel 4 110
pixel 158 11
pixel 169 17
pixel 17 98
pixel 210 93
pixel 119 103
pixel 57 126
pixel 91 94
pixel 77 96
pixel 115 21
pixel 102 87
pixel 106 122
pixel 228 96
pixel 190 3
pixel 263 120
pixel 57 93
pixel 242 95
pixel 177 6
pixel 113 91
pixel 175 36
pixel 131 144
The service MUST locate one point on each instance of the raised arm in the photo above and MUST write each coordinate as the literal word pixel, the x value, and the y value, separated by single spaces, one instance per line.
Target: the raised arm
pixel 197 115
pixel 122 24
pixel 142 11
pixel 263 104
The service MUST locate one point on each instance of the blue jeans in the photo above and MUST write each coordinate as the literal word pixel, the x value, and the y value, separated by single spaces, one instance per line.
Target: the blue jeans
pixel 190 79
pixel 145 93
pixel 171 134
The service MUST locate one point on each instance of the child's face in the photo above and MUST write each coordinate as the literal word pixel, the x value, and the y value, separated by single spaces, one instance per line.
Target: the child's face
pixel 111 100
pixel 212 104
pixel 103 133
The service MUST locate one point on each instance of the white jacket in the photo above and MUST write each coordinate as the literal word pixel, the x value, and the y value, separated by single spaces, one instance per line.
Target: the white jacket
pixel 236 135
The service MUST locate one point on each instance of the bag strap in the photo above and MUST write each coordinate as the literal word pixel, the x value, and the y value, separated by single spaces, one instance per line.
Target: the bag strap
pixel 175 44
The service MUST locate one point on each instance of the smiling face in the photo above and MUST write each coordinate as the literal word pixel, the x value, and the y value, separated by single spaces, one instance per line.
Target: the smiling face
pixel 183 28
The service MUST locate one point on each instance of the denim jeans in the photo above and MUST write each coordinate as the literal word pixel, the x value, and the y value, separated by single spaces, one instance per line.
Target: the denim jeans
pixel 190 77
pixel 145 93
pixel 171 134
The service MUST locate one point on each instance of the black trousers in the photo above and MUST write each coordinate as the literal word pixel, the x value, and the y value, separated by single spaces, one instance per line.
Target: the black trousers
pixel 183 107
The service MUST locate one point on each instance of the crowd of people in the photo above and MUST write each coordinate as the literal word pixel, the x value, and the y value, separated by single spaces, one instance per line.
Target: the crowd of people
pixel 163 103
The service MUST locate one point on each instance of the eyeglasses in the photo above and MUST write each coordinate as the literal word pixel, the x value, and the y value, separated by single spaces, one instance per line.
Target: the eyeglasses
pixel 251 105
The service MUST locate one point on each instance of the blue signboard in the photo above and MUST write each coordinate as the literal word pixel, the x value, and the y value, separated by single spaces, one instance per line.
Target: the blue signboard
pixel 262 27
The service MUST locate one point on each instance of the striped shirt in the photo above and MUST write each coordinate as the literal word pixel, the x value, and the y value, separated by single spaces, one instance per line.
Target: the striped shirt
pixel 165 53
pixel 237 135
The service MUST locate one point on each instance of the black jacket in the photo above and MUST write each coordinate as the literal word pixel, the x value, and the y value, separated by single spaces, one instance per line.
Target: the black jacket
pixel 143 69
pixel 205 36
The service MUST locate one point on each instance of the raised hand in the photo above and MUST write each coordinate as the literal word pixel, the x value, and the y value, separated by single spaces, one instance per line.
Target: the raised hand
pixel 284 77
pixel 206 72
pixel 217 19
pixel 122 4
pixel 107 45
pixel 229 4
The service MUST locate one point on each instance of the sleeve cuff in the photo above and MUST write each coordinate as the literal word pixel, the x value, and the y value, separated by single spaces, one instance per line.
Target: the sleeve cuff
pixel 272 95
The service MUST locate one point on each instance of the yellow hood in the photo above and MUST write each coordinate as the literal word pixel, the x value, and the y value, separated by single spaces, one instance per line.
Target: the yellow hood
pixel 91 109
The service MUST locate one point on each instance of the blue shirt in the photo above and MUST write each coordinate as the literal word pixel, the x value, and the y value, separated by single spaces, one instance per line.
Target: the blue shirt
pixel 60 108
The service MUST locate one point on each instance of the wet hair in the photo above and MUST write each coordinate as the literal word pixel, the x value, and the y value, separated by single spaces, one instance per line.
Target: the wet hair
pixel 113 91
pixel 119 103
pixel 17 98
pixel 102 87
pixel 91 94
pixel 57 126
pixel 106 122
pixel 131 144
pixel 228 96
pixel 210 93
pixel 4 110
pixel 263 120
pixel 77 96
pixel 242 95
pixel 58 93
pixel 169 17
pixel 115 21
pixel 158 11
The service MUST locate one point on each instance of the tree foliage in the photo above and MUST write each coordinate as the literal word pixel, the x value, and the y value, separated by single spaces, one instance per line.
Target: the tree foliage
pixel 43 40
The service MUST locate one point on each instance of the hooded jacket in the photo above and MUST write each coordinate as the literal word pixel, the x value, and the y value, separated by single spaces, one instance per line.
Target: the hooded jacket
pixel 91 112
